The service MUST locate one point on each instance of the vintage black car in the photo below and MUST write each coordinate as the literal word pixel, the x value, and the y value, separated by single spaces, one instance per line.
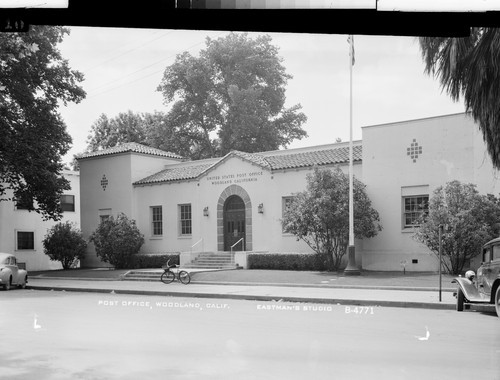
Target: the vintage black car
pixel 483 288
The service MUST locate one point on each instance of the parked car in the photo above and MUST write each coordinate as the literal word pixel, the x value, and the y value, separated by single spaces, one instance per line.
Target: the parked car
pixel 10 274
pixel 483 289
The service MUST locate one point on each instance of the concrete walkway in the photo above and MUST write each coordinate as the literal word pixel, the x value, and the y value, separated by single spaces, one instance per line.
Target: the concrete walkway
pixel 346 294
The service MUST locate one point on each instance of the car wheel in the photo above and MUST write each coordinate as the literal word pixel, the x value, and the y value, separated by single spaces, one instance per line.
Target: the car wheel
pixel 8 284
pixel 460 300
pixel 497 301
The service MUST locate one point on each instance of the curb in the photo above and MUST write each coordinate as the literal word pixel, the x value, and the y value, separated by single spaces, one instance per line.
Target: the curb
pixel 248 297
pixel 321 286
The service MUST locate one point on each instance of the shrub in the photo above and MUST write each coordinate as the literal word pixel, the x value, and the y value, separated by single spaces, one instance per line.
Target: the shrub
pixel 286 261
pixel 117 241
pixel 320 215
pixel 64 243
pixel 154 260
pixel 468 219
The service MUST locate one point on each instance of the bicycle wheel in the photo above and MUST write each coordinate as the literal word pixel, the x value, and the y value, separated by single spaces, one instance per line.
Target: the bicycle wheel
pixel 167 277
pixel 184 277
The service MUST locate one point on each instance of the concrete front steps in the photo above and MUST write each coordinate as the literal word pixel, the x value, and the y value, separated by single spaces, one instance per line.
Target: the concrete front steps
pixel 155 274
pixel 213 260
pixel 205 262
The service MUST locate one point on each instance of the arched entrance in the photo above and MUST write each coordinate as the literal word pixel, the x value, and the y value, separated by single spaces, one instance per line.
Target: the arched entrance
pixel 234 224
pixel 234 206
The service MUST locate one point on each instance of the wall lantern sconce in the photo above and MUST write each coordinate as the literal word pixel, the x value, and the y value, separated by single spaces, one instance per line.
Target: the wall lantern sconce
pixel 205 211
pixel 260 208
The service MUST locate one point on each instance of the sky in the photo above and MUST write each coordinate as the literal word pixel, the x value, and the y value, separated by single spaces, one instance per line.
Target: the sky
pixel 123 67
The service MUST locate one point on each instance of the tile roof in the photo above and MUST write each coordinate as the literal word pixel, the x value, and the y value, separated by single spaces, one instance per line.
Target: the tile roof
pixel 331 156
pixel 180 173
pixel 131 147
pixel 277 160
pixel 254 158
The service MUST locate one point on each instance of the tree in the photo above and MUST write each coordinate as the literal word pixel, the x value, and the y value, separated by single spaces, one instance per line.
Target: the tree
pixel 320 214
pixel 469 220
pixel 64 243
pixel 117 240
pixel 34 79
pixel 107 133
pixel 232 97
pixel 166 133
pixel 469 67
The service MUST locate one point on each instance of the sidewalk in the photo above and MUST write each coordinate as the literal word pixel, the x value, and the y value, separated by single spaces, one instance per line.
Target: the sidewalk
pixel 416 290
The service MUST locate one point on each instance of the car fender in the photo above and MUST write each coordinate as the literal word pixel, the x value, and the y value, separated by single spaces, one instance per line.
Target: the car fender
pixel 494 288
pixel 470 291
pixel 5 273
pixel 21 274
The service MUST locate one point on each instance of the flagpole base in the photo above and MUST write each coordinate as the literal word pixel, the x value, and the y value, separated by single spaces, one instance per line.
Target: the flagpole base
pixel 351 269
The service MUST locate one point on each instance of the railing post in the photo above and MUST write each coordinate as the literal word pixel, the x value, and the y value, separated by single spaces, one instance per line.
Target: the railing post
pixel 231 249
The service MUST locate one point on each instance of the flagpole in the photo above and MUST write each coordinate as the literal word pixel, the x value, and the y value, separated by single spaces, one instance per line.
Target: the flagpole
pixel 351 268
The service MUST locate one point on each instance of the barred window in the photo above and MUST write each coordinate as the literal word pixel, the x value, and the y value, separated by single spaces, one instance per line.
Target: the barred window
pixel 25 240
pixel 104 214
pixel 286 202
pixel 414 208
pixel 67 202
pixel 157 220
pixel 185 219
pixel 285 206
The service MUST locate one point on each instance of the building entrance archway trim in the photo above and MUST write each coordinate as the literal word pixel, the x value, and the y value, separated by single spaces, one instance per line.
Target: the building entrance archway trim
pixel 228 192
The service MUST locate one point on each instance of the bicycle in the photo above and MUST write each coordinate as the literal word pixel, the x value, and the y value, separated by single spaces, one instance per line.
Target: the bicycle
pixel 168 275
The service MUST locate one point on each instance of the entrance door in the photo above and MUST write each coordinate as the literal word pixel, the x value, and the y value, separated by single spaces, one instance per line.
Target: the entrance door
pixel 234 224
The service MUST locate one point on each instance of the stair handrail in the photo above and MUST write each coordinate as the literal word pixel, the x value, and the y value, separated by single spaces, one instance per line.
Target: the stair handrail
pixel 234 245
pixel 195 244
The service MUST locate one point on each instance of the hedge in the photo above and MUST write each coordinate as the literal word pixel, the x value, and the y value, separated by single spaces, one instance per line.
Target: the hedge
pixel 286 261
pixel 156 260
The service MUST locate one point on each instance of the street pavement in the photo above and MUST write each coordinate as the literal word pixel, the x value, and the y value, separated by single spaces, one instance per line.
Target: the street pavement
pixel 369 289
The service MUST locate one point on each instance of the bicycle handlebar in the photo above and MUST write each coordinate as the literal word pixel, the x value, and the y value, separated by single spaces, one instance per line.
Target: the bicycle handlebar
pixel 170 266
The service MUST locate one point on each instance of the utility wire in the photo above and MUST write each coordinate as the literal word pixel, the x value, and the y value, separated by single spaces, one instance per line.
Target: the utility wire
pixel 137 71
pixel 128 51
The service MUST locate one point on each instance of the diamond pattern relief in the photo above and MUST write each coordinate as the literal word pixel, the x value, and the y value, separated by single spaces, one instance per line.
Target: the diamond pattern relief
pixel 104 182
pixel 414 150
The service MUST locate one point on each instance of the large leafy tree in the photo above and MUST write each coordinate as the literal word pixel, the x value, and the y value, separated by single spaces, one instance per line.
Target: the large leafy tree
pixel 232 97
pixel 470 67
pixel 34 78
pixel 468 220
pixel 125 127
pixel 320 215
pixel 157 129
pixel 166 133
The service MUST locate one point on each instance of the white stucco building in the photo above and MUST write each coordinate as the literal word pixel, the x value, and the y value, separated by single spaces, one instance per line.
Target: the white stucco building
pixel 238 200
pixel 22 231
pixel 403 163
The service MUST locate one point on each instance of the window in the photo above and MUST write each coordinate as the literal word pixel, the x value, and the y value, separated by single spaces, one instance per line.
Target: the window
pixel 67 202
pixel 25 240
pixel 285 206
pixel 156 221
pixel 104 214
pixel 496 252
pixel 185 219
pixel 414 208
pixel 487 255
